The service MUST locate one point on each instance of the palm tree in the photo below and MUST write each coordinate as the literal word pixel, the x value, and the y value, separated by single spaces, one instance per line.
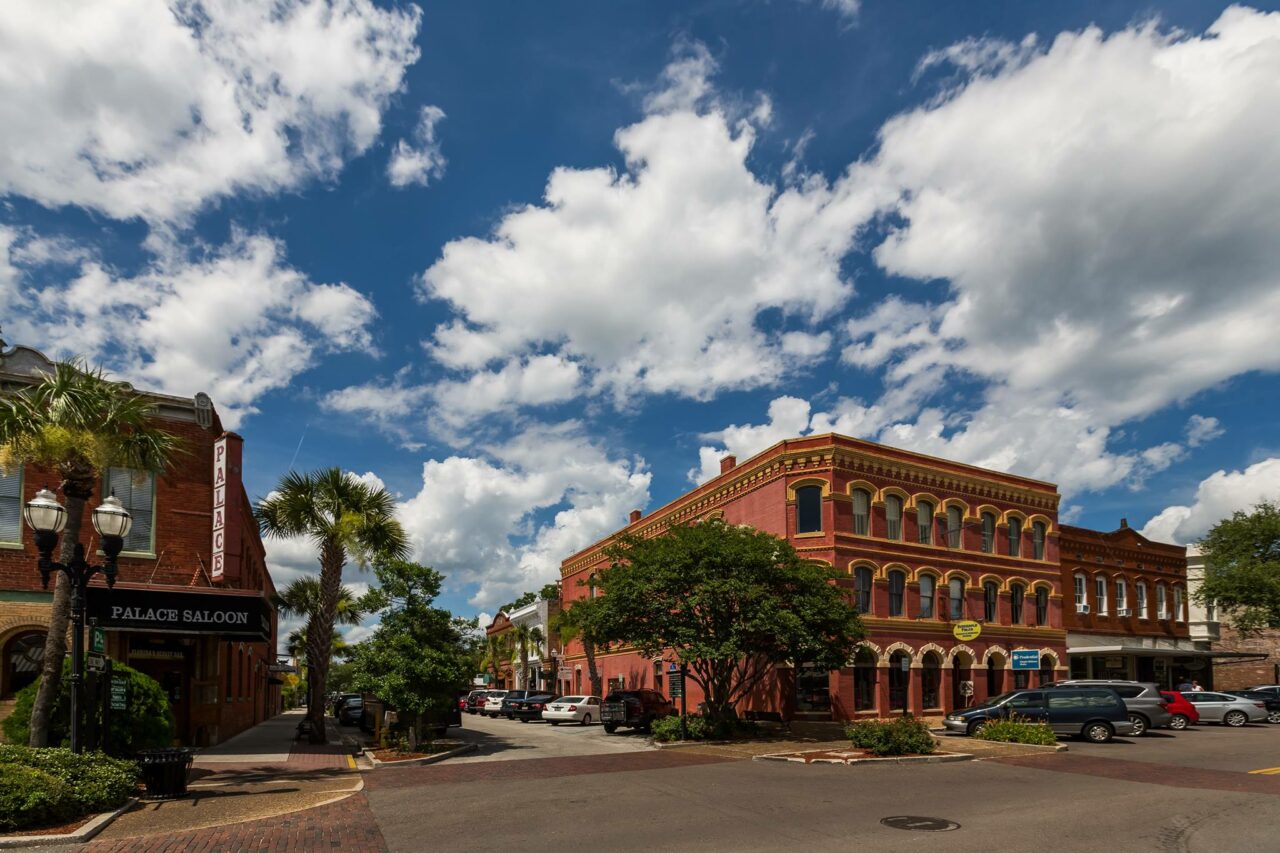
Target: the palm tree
pixel 525 638
pixel 579 622
pixel 76 423
pixel 302 598
pixel 344 517
pixel 497 654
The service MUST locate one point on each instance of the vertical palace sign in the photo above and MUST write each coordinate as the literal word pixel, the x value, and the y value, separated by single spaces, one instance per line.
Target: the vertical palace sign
pixel 227 452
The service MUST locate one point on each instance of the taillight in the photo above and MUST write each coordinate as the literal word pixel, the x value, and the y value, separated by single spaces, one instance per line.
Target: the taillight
pixel 537 706
pixel 573 707
pixel 1262 705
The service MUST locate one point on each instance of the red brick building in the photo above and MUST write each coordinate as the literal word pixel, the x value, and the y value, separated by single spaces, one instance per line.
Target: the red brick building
pixel 192 603
pixel 920 543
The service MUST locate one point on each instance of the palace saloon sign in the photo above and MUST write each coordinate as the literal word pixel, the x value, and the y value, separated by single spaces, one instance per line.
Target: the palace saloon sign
pixel 245 616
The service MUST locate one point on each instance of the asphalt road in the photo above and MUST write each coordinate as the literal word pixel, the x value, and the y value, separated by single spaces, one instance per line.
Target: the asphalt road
pixel 1189 791
pixel 507 740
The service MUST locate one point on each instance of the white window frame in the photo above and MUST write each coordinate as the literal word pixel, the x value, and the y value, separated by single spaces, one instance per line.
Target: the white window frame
pixel 1081 591
pixel 1140 599
pixel 1100 593
pixel 1177 603
pixel 16 542
pixel 889 522
pixel 1122 594
pixel 1162 602
pixel 865 517
pixel 931 598
pixel 151 547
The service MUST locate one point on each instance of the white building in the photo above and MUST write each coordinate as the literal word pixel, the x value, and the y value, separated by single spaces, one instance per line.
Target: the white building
pixel 538 675
pixel 1202 618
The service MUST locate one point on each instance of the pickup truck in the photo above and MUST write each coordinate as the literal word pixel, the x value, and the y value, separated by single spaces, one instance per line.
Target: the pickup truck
pixel 635 709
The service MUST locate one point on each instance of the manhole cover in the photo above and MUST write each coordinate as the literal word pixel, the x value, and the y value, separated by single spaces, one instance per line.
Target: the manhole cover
pixel 921 824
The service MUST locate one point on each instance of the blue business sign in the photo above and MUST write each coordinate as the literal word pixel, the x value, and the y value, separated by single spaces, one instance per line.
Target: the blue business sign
pixel 1026 659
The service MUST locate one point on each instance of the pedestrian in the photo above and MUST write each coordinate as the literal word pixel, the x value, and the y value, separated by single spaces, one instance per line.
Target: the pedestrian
pixel 1195 686
pixel 1184 686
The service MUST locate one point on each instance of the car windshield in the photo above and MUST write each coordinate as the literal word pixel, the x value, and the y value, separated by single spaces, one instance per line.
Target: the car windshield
pixel 571 699
pixel 996 700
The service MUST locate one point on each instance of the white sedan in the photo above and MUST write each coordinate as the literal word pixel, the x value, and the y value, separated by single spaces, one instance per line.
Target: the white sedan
pixel 583 710
pixel 493 703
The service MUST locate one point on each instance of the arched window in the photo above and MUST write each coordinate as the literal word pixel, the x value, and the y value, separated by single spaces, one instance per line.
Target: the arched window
pixel 1037 540
pixel 1015 537
pixel 927 593
pixel 991 601
pixel 956 590
pixel 931 681
pixel 864 680
pixel 23 658
pixel 924 521
pixel 862 588
pixel 593 591
pixel 1016 595
pixel 1140 599
pixel 897 586
pixel 1122 597
pixel 861 512
pixel 1082 594
pixel 1177 604
pixel 898 678
pixel 988 533
pixel 1046 670
pixel 893 517
pixel 809 509
pixel 1100 594
pixel 955 516
pixel 1042 606
pixel 1162 604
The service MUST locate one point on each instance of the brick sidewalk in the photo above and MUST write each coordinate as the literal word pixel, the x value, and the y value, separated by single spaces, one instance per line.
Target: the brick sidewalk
pixel 1152 774
pixel 347 825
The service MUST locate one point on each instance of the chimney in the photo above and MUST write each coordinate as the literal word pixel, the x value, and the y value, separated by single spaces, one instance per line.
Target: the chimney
pixel 728 463
pixel 1124 524
pixel 635 515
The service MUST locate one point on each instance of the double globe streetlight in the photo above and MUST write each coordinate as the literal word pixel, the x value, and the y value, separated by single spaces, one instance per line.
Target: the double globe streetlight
pixel 47 518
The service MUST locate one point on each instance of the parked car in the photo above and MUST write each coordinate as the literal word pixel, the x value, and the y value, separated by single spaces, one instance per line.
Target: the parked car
pixel 1094 713
pixel 1147 709
pixel 583 710
pixel 1226 709
pixel 492 703
pixel 474 701
pixel 508 707
pixel 340 700
pixel 636 709
pixel 531 706
pixel 351 711
pixel 1273 689
pixel 1270 701
pixel 1184 713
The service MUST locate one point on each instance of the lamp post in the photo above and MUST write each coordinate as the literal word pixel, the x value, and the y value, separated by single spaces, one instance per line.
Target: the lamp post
pixel 47 517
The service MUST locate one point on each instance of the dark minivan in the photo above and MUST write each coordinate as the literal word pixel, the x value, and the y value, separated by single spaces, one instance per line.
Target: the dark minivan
pixel 1093 713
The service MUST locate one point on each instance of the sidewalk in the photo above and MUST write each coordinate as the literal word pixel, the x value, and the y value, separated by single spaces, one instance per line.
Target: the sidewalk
pixel 272 743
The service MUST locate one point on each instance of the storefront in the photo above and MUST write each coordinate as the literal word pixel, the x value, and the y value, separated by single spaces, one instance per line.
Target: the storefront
pixel 1165 662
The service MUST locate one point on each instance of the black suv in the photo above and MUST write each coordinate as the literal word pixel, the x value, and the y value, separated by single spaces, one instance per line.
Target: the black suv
pixel 510 701
pixel 530 707
pixel 636 709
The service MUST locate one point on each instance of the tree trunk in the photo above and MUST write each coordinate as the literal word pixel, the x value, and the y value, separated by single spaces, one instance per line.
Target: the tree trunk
pixel 593 674
pixel 55 643
pixel 320 636
pixel 523 681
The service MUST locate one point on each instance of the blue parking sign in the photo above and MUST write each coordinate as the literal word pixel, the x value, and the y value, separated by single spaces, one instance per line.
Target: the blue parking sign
pixel 1026 659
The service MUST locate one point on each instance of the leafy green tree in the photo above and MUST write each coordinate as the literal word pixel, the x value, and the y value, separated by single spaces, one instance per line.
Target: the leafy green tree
pixel 731 602
pixel 526 639
pixel 498 650
pixel 344 517
pixel 303 598
pixel 580 620
pixel 1242 568
pixel 76 423
pixel 416 660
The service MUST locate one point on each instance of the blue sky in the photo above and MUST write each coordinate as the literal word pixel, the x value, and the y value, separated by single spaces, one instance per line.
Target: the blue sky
pixel 534 265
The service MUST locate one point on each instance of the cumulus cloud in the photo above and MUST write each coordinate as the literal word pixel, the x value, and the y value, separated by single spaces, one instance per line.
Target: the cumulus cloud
pixel 503 521
pixel 420 160
pixel 651 280
pixel 1201 429
pixel 151 109
pixel 1217 497
pixel 235 321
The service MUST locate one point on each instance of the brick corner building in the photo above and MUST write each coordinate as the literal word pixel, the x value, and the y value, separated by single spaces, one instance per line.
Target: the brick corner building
pixel 192 603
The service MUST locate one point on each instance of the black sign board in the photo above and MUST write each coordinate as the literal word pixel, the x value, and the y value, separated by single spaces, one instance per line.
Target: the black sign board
pixel 119 693
pixel 165 611
pixel 675 681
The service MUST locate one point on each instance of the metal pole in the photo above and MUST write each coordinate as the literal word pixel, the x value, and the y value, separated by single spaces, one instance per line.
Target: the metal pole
pixel 684 701
pixel 77 577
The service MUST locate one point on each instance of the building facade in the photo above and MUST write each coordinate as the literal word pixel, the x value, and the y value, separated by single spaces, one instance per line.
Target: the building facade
pixel 919 544
pixel 192 605
pixel 1238 662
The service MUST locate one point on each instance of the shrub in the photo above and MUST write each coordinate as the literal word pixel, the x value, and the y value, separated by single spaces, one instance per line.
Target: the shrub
pixel 96 782
pixel 666 729
pixel 147 723
pixel 899 736
pixel 1018 730
pixel 31 797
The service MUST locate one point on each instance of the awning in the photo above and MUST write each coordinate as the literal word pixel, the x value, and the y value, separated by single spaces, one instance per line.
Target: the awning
pixel 1147 651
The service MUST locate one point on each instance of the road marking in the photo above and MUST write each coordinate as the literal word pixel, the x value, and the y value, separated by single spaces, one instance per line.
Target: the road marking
pixel 351 763
pixel 1266 771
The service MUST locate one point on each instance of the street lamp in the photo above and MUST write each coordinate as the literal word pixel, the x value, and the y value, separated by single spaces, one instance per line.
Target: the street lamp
pixel 47 518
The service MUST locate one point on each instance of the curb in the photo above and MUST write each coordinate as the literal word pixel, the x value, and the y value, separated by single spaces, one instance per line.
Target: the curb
pixel 906 759
pixel 81 835
pixel 417 762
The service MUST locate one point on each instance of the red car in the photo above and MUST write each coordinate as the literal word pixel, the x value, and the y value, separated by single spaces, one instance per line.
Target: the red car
pixel 1184 713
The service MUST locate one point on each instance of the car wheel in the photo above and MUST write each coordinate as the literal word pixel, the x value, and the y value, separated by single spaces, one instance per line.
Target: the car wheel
pixel 976 729
pixel 554 722
pixel 610 728
pixel 1140 724
pixel 1179 722
pixel 586 720
pixel 1273 716
pixel 1098 732
pixel 523 720
pixel 1235 719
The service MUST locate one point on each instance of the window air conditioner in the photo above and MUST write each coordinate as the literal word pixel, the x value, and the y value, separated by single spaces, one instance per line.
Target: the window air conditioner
pixel 1124 611
pixel 1082 608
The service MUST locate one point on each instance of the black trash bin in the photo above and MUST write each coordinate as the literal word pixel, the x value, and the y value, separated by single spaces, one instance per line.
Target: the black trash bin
pixel 164 771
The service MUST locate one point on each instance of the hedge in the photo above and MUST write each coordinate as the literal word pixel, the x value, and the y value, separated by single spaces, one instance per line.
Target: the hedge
pixel 96 782
pixel 31 797
pixel 148 722
pixel 1017 730
pixel 899 736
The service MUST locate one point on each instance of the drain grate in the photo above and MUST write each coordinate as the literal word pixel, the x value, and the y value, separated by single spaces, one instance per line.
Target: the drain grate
pixel 920 824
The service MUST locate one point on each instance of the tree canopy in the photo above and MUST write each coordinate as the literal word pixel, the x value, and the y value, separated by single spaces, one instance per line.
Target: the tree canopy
pixel 731 602
pixel 1242 568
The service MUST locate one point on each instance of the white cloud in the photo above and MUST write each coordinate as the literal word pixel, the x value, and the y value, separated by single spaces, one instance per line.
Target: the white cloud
pixel 236 321
pixel 419 161
pixel 151 109
pixel 788 418
pixel 651 280
pixel 474 518
pixel 1217 497
pixel 1201 430
pixel 847 9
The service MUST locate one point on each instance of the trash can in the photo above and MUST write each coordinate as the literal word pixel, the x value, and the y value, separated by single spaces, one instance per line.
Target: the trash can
pixel 164 771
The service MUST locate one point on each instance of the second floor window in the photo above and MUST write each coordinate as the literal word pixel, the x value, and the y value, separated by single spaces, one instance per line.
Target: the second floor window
pixel 137 491
pixel 955 517
pixel 1016 595
pixel 1082 597
pixel 1042 606
pixel 1037 539
pixel 1177 603
pixel 927 592
pixel 1100 593
pixel 893 517
pixel 809 509
pixel 956 589
pixel 1015 537
pixel 988 532
pixel 924 521
pixel 861 512
pixel 991 601
pixel 11 506
pixel 862 588
pixel 1162 606
pixel 897 586
pixel 1122 595
pixel 1140 599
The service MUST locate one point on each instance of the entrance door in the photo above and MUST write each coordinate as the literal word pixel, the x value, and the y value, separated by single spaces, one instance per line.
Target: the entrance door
pixel 813 694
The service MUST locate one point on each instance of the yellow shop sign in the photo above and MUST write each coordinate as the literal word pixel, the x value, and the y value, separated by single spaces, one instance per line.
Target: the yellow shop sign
pixel 966 630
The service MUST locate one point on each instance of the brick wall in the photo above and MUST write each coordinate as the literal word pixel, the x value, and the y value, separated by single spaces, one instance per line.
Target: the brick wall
pixel 1235 676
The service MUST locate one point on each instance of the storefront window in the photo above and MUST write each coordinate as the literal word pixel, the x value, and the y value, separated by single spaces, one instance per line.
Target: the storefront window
pixel 1046 669
pixel 864 680
pixel 898 678
pixel 931 681
pixel 812 689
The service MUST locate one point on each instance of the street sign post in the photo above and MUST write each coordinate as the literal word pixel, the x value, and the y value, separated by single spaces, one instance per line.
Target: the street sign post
pixel 119 693
pixel 97 640
pixel 95 662
pixel 1026 658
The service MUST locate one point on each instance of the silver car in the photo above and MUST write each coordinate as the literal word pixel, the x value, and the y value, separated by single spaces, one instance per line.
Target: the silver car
pixel 1223 708
pixel 1147 709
